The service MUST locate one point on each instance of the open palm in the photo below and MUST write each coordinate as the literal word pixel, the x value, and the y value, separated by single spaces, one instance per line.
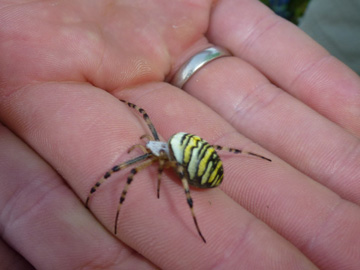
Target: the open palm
pixel 64 65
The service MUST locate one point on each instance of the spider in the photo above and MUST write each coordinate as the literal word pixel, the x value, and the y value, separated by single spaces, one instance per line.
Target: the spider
pixel 195 161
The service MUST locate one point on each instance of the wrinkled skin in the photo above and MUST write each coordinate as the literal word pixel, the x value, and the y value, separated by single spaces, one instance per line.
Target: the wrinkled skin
pixel 65 64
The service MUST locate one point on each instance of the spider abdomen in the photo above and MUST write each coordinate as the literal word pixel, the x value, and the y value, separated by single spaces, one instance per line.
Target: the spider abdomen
pixel 203 167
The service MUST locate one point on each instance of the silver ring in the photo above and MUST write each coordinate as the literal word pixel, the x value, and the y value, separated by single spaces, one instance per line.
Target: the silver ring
pixel 195 63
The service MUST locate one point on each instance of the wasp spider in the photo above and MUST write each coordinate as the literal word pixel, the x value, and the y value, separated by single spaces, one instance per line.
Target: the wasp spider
pixel 195 161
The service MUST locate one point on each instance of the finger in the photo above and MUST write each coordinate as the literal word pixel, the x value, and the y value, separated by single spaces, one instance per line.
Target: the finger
pixel 289 58
pixel 91 131
pixel 282 124
pixel 10 259
pixel 301 210
pixel 46 223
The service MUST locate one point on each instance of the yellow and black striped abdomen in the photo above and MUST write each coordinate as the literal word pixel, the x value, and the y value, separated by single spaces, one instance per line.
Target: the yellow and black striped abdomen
pixel 203 167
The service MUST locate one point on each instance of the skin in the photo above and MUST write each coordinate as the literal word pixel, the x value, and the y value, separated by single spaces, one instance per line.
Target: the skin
pixel 65 64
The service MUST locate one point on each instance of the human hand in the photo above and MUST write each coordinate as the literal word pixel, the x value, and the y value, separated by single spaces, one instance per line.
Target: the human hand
pixel 59 57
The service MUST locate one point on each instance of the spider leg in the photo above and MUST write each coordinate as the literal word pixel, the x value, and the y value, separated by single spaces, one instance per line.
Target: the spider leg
pixel 128 182
pixel 160 171
pixel 146 118
pixel 143 148
pixel 163 164
pixel 180 171
pixel 147 136
pixel 113 170
pixel 238 151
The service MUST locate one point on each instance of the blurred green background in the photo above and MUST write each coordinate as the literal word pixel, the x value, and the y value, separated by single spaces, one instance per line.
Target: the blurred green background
pixel 291 10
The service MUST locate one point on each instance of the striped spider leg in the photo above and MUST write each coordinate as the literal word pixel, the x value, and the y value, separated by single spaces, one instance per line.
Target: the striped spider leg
pixel 238 151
